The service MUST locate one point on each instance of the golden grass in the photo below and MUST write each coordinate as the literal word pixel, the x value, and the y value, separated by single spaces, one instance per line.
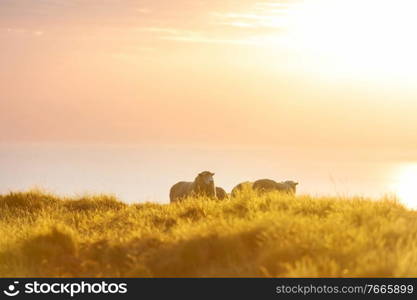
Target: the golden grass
pixel 272 235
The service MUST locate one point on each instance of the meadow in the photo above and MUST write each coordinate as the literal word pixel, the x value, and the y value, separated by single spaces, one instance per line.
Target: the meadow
pixel 270 235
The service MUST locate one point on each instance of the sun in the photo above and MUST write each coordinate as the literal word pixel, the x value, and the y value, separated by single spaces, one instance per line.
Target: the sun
pixel 367 35
pixel 405 185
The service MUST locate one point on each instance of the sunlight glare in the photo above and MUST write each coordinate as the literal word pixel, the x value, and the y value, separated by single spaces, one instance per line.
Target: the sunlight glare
pixel 376 35
pixel 405 185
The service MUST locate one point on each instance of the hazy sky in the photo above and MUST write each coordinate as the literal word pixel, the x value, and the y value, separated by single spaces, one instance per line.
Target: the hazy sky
pixel 315 72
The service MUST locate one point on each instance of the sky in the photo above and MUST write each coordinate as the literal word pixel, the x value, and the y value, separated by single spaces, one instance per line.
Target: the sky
pixel 241 72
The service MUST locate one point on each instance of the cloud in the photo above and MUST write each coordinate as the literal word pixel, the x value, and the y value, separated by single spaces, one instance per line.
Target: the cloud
pixel 259 24
pixel 22 32
pixel 249 41
pixel 189 36
pixel 262 15
pixel 281 4
pixel 250 20
pixel 240 22
pixel 237 24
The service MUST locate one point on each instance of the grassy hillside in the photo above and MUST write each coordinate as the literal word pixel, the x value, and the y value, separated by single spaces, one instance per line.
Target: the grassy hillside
pixel 270 235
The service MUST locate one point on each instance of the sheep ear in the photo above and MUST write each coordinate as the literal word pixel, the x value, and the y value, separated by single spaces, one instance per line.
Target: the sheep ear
pixel 296 183
pixel 212 174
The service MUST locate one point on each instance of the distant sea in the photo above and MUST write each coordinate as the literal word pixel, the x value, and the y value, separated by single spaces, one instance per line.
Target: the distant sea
pixel 142 173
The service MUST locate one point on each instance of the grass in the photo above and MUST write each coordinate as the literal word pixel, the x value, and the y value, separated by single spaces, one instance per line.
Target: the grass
pixel 272 235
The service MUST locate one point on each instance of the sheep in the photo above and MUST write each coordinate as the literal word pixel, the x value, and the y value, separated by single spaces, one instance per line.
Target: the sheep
pixel 221 193
pixel 203 185
pixel 267 185
pixel 240 187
